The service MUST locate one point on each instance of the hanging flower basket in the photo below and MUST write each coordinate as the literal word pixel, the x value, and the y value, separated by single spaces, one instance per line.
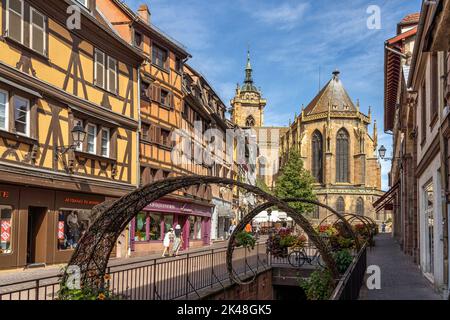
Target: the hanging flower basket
pixel 245 239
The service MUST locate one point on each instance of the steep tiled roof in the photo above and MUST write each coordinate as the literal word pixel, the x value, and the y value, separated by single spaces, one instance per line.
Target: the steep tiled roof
pixel 333 96
pixel 411 18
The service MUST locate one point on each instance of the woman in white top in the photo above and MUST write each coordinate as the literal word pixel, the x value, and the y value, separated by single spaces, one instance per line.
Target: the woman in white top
pixel 166 243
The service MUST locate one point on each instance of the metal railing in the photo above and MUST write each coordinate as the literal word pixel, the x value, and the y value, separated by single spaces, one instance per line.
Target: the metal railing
pixel 349 286
pixel 155 279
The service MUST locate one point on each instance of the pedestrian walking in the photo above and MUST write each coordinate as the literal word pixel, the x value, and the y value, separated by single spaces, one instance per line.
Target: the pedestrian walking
pixel 168 238
pixel 383 227
pixel 248 228
pixel 177 241
pixel 231 229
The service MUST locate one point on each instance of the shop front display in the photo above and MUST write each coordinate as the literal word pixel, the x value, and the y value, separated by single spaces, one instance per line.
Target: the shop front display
pixel 149 227
pixel 41 226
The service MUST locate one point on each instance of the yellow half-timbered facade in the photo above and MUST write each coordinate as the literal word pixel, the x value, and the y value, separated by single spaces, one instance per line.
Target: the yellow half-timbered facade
pixel 62 68
pixel 168 113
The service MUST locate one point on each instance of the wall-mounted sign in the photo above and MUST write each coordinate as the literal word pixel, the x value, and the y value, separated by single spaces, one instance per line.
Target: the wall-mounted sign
pixel 82 201
pixel 4 194
pixel 5 234
pixel 60 230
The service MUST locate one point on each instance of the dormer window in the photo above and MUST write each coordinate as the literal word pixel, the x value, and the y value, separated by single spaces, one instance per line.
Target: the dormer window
pixel 138 40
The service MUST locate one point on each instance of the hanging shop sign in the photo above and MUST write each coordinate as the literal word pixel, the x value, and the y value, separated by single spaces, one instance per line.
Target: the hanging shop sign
pixel 60 230
pixel 6 231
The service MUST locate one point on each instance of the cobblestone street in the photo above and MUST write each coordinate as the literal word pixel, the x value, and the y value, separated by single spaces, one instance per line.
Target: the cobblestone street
pixel 401 279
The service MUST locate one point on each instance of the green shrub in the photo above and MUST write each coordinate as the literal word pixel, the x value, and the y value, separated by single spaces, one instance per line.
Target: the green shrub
pixel 319 286
pixel 246 240
pixel 343 260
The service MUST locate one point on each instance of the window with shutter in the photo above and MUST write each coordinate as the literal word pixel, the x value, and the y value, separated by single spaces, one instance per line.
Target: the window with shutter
pixel 165 137
pixel 159 56
pixel 105 141
pixel 434 75
pixel 145 132
pixel 22 115
pixel 15 21
pixel 99 69
pixel 317 156
pixel 423 116
pixel 165 98
pixel 92 138
pixel 4 112
pixel 38 32
pixel 112 75
pixel 342 156
pixel 145 90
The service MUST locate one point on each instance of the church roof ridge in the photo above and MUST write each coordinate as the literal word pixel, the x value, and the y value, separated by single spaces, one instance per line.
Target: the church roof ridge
pixel 332 97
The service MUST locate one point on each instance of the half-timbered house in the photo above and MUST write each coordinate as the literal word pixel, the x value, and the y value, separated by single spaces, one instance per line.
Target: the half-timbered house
pixel 163 112
pixel 64 75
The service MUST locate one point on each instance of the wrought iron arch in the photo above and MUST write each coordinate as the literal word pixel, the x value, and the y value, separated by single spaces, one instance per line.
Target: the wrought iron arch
pixel 252 214
pixel 95 247
pixel 366 221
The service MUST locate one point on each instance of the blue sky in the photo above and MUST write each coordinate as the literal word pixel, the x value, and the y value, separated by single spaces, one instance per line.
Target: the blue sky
pixel 290 40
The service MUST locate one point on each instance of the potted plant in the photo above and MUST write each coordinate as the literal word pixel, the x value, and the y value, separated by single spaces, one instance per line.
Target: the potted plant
pixel 245 239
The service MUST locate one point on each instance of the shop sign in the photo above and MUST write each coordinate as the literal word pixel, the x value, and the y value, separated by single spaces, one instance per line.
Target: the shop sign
pixel 60 230
pixel 81 201
pixel 6 231
pixel 4 194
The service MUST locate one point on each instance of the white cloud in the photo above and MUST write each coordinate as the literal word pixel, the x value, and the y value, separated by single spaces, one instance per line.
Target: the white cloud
pixel 286 16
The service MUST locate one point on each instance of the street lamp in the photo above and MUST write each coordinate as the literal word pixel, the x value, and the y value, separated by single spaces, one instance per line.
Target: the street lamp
pixel 382 153
pixel 78 136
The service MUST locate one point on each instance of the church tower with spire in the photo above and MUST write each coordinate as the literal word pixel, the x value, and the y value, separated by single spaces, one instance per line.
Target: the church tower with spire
pixel 247 106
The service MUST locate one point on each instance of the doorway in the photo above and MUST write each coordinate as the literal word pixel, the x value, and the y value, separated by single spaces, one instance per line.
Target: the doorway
pixel 36 235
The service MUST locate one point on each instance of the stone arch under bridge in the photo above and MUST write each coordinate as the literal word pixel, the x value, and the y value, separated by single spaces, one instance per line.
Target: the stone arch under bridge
pixel 112 217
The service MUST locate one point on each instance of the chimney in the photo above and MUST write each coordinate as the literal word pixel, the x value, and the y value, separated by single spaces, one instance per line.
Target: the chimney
pixel 144 13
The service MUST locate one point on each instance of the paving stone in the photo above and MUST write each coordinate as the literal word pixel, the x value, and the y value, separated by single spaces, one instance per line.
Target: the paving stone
pixel 401 279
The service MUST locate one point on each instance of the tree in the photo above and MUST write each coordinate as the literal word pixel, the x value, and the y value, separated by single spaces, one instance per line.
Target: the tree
pixel 295 181
pixel 260 183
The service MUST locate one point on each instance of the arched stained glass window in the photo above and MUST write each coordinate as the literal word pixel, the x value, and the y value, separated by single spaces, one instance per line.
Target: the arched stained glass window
pixel 342 156
pixel 360 206
pixel 317 156
pixel 340 205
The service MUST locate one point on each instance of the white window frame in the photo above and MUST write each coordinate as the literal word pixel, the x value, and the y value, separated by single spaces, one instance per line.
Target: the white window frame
pixel 6 93
pixel 108 74
pixel 27 126
pixel 107 144
pixel 44 30
pixel 84 3
pixel 95 139
pixel 97 51
pixel 22 20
